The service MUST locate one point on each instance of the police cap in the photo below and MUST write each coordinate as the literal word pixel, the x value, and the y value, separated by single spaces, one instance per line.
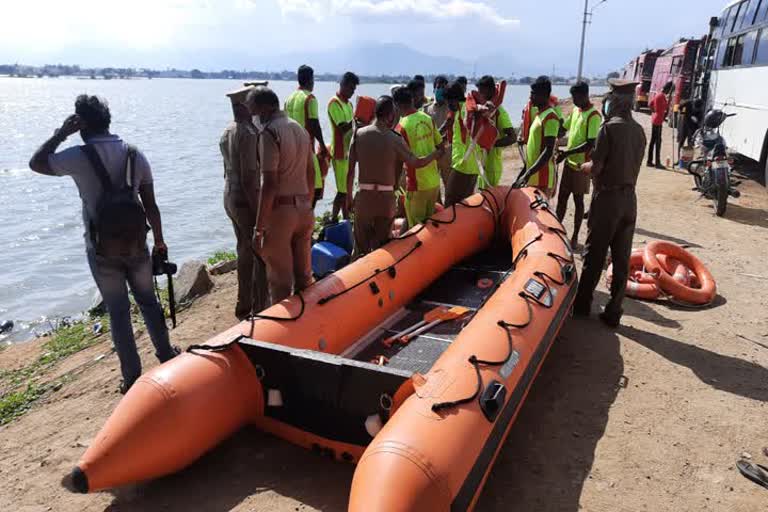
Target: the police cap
pixel 239 95
pixel 619 86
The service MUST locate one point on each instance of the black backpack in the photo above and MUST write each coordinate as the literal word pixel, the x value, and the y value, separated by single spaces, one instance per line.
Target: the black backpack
pixel 120 227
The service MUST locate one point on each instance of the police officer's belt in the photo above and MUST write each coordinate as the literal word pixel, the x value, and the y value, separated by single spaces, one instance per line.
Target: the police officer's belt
pixel 606 188
pixel 291 200
pixel 375 187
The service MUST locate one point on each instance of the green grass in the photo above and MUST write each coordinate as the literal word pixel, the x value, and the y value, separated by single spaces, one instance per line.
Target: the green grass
pixel 221 256
pixel 21 387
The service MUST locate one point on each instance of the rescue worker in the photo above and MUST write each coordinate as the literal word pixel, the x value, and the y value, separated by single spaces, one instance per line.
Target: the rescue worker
pixel 423 138
pixel 341 116
pixel 582 126
pixel 465 154
pixel 659 105
pixel 301 106
pixel 283 233
pixel 418 89
pixel 440 113
pixel 380 153
pixel 241 202
pixel 486 87
pixel 542 138
pixel 614 168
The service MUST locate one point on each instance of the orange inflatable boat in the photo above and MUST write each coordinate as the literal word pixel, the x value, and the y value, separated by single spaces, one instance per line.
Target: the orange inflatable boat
pixel 423 420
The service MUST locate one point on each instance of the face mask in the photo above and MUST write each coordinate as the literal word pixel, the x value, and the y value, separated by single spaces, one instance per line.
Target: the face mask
pixel 607 107
pixel 439 94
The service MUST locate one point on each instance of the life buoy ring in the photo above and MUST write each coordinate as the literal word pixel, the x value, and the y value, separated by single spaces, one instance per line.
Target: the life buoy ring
pixel 702 295
pixel 641 284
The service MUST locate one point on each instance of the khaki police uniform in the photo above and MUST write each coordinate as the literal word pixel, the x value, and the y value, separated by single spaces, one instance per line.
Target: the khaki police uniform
pixel 241 203
pixel 619 149
pixel 380 153
pixel 285 149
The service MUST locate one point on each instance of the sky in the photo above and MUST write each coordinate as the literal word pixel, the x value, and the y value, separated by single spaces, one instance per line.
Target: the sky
pixel 215 34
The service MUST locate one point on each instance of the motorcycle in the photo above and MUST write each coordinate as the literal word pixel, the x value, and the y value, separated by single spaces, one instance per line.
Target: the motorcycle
pixel 711 169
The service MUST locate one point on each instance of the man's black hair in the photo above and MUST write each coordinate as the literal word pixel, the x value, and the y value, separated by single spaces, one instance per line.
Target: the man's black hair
pixel 94 111
pixel 462 80
pixel 580 88
pixel 305 74
pixel 420 78
pixel 439 79
pixel 454 91
pixel 486 81
pixel 402 96
pixel 263 96
pixel 350 78
pixel 669 86
pixel 414 85
pixel 542 85
pixel 385 105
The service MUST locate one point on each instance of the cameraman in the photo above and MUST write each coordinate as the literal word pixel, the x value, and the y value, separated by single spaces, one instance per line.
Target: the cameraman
pixel 122 258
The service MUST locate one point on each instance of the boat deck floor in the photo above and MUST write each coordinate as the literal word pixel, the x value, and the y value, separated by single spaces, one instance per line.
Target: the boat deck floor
pixel 467 284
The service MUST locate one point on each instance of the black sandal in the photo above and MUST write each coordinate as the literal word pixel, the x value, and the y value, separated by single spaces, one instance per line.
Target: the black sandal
pixel 754 472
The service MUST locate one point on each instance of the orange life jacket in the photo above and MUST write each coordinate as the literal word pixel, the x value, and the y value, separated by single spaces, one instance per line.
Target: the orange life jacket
pixel 481 128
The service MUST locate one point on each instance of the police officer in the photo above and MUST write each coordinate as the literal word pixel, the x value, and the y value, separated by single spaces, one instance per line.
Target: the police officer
pixel 614 168
pixel 283 233
pixel 379 153
pixel 241 196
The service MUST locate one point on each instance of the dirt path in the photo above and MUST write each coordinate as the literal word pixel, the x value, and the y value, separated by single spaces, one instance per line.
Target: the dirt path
pixel 651 417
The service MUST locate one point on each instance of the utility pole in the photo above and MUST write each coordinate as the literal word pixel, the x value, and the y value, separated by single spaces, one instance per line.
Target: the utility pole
pixel 583 37
pixel 586 21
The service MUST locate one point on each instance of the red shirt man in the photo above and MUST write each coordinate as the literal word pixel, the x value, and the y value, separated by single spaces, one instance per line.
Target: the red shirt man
pixel 659 106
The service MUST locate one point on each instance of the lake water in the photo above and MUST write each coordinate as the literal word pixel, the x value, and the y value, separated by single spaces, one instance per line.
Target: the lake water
pixel 177 123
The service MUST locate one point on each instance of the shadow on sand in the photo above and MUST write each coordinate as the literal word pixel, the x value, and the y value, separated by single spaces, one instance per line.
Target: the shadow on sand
pixel 749 216
pixel 660 236
pixel 730 374
pixel 550 449
pixel 249 464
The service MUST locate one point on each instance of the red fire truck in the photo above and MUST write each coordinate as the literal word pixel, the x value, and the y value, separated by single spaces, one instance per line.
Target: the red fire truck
pixel 676 65
pixel 640 69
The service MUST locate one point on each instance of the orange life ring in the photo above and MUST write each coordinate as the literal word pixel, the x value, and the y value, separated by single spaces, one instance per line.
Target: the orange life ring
pixel 699 296
pixel 641 284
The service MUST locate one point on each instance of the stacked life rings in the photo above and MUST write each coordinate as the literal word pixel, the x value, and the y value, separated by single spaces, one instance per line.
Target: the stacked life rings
pixel 664 269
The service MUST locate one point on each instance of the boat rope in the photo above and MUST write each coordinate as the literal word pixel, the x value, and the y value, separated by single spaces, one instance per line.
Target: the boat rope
pixel 390 270
pixel 212 348
pixel 437 222
pixel 477 363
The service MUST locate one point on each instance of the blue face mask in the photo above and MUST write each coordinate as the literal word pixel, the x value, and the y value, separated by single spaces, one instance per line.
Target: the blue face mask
pixel 607 107
pixel 439 94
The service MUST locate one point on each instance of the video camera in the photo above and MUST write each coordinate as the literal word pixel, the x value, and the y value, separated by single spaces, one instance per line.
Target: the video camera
pixel 161 266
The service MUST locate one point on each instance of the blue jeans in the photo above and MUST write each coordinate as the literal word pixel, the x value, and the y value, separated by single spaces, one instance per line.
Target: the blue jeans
pixel 111 276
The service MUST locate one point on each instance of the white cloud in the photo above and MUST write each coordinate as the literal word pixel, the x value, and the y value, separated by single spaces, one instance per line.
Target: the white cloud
pixel 427 10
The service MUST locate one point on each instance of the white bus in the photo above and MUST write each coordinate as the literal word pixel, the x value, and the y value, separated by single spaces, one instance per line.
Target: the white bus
pixel 738 82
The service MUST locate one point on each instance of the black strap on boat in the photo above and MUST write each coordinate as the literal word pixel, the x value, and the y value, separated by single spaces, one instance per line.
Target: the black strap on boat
pixel 390 270
pixel 524 250
pixel 212 348
pixel 476 363
pixel 437 222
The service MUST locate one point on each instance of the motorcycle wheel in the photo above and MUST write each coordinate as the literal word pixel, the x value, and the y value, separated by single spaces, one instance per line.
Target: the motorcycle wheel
pixel 720 200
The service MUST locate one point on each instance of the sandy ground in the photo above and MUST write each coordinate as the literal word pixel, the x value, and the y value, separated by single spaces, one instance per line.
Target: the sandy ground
pixel 651 417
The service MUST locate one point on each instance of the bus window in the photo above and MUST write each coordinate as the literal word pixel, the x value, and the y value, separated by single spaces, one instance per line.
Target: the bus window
pixel 750 38
pixel 738 51
pixel 720 56
pixel 737 17
pixel 729 51
pixel 724 20
pixel 677 64
pixel 761 56
pixel 749 17
pixel 737 22
pixel 762 12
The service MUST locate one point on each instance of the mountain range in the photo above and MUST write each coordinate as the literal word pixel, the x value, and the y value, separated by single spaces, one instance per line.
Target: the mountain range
pixel 365 59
